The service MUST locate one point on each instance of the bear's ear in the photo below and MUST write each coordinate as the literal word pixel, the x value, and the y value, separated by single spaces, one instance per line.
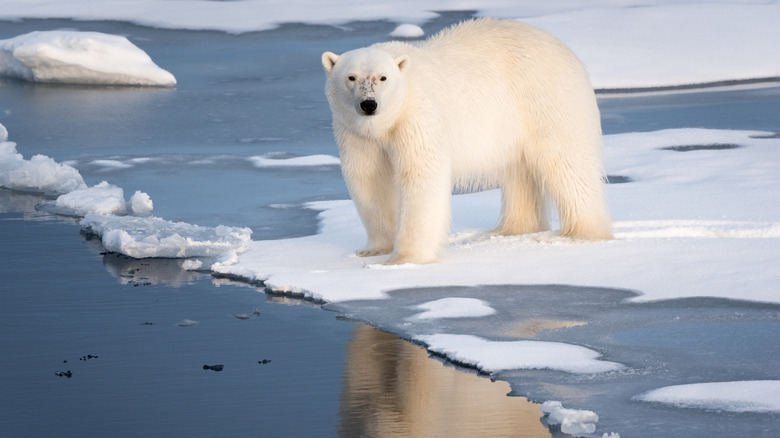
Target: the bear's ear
pixel 329 60
pixel 403 62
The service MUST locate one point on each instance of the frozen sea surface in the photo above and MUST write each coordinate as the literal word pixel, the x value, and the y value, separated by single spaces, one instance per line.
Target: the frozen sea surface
pixel 192 149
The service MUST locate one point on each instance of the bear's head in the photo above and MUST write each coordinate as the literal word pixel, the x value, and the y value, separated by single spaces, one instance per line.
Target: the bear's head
pixel 365 87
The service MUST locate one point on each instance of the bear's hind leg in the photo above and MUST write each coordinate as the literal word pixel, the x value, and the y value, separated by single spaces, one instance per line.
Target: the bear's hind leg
pixel 523 208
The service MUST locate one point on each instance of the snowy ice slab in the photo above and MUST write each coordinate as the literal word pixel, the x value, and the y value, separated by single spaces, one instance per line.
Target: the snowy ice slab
pixel 701 223
pixel 575 422
pixel 154 237
pixel 492 356
pixel 88 58
pixel 308 160
pixel 40 174
pixel 103 198
pixel 455 308
pixel 740 396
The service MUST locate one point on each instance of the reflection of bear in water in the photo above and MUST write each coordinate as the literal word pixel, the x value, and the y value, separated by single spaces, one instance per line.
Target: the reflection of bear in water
pixel 393 389
pixel 484 103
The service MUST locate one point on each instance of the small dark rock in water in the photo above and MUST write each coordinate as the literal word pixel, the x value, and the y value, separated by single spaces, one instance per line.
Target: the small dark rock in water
pixel 264 361
pixel 214 367
pixel 88 357
pixel 67 374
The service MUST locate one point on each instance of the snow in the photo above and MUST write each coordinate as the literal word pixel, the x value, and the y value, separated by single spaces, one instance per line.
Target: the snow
pixel 71 57
pixel 761 396
pixel 40 174
pixel 454 308
pixel 142 237
pixel 407 30
pixel 492 356
pixel 103 198
pixel 575 422
pixel 140 204
pixel 610 36
pixel 309 160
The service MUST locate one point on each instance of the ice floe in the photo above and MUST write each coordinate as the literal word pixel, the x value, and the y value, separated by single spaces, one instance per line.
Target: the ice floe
pixel 492 356
pixel 40 174
pixel 407 30
pixel 308 160
pixel 454 307
pixel 143 237
pixel 761 396
pixel 84 58
pixel 575 422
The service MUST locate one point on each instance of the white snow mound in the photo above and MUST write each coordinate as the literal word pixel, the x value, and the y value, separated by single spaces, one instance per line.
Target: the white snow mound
pixel 575 422
pixel 761 396
pixel 40 174
pixel 87 58
pixel 493 356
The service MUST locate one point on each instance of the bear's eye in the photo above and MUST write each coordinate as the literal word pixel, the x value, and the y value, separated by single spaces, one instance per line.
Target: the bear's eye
pixel 351 78
pixel 383 78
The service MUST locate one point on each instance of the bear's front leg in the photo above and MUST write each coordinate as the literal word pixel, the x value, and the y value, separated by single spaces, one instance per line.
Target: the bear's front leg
pixel 369 177
pixel 425 190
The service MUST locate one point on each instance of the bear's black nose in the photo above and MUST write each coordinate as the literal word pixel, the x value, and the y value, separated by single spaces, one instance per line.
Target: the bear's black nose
pixel 368 106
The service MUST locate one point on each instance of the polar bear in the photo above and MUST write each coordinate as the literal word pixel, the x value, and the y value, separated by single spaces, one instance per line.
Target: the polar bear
pixel 485 103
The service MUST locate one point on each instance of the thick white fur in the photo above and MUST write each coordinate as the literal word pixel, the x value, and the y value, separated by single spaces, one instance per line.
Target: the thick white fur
pixel 484 103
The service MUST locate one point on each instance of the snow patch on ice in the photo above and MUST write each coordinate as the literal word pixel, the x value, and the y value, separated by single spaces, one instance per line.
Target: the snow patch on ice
pixel 72 57
pixel 102 198
pixel 308 160
pixel 454 307
pixel 407 30
pixel 575 422
pixel 140 204
pixel 492 356
pixel 40 174
pixel 141 237
pixel 191 264
pixel 111 164
pixel 761 396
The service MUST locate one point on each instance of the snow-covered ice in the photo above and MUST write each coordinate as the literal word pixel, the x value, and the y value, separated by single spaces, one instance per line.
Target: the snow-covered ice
pixel 86 58
pixel 143 237
pixel 102 198
pixel 310 160
pixel 40 174
pixel 492 356
pixel 407 30
pixel 761 396
pixel 140 204
pixel 575 422
pixel 454 308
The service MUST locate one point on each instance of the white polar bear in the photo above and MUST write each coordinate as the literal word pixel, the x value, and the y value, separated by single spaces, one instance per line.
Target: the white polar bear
pixel 484 103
